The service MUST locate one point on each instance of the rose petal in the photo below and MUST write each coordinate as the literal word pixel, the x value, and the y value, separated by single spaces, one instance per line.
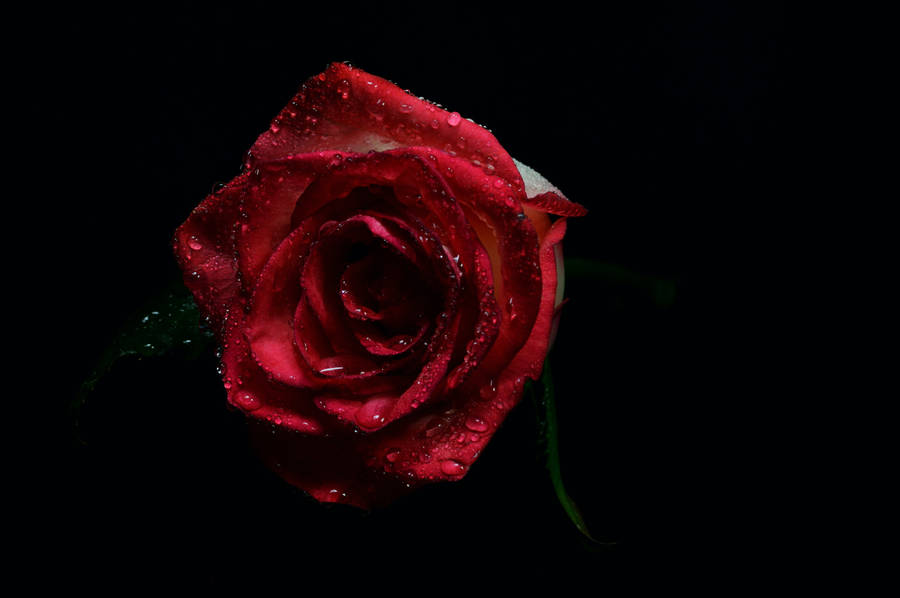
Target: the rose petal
pixel 334 469
pixel 530 358
pixel 347 109
pixel 554 204
pixel 544 195
pixel 250 389
pixel 204 248
pixel 268 326
pixel 265 219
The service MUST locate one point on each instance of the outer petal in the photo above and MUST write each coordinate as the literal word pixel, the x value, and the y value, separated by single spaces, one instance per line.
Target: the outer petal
pixel 331 469
pixel 272 193
pixel 554 204
pixel 347 109
pixel 530 358
pixel 251 390
pixel 544 195
pixel 268 328
pixel 204 248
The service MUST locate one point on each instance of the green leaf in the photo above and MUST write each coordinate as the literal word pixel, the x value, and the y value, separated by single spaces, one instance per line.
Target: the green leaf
pixel 548 443
pixel 166 325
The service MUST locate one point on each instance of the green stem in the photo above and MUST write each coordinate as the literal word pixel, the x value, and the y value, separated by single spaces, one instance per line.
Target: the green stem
pixel 548 435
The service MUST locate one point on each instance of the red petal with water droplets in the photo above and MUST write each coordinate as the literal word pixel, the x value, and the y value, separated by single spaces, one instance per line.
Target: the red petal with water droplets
pixel 204 248
pixel 273 190
pixel 347 109
pixel 250 389
pixel 334 469
pixel 268 328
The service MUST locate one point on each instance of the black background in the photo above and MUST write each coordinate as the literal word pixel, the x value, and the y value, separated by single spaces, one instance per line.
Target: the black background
pixel 660 121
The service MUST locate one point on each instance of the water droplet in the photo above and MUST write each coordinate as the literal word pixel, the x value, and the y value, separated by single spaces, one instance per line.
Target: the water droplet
pixel 511 309
pixel 451 467
pixel 433 428
pixel 373 413
pixel 453 119
pixel 336 368
pixel 247 401
pixel 194 243
pixel 489 390
pixel 406 108
pixel 393 455
pixel 476 424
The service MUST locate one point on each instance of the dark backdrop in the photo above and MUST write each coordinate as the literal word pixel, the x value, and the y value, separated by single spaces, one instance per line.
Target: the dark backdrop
pixel 660 121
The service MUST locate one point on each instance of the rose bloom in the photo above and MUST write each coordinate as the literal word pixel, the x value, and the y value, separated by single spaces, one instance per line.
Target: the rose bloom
pixel 382 277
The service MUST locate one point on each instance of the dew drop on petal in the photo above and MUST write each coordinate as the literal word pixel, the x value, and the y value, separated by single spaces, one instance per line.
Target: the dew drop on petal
pixel 476 424
pixel 489 390
pixel 433 428
pixel 247 401
pixel 373 413
pixel 451 467
pixel 195 244
pixel 453 119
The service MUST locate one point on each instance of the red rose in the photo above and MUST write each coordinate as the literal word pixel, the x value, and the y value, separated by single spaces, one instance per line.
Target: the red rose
pixel 382 277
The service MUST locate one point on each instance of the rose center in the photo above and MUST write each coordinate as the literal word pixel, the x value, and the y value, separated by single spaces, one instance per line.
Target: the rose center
pixel 387 298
